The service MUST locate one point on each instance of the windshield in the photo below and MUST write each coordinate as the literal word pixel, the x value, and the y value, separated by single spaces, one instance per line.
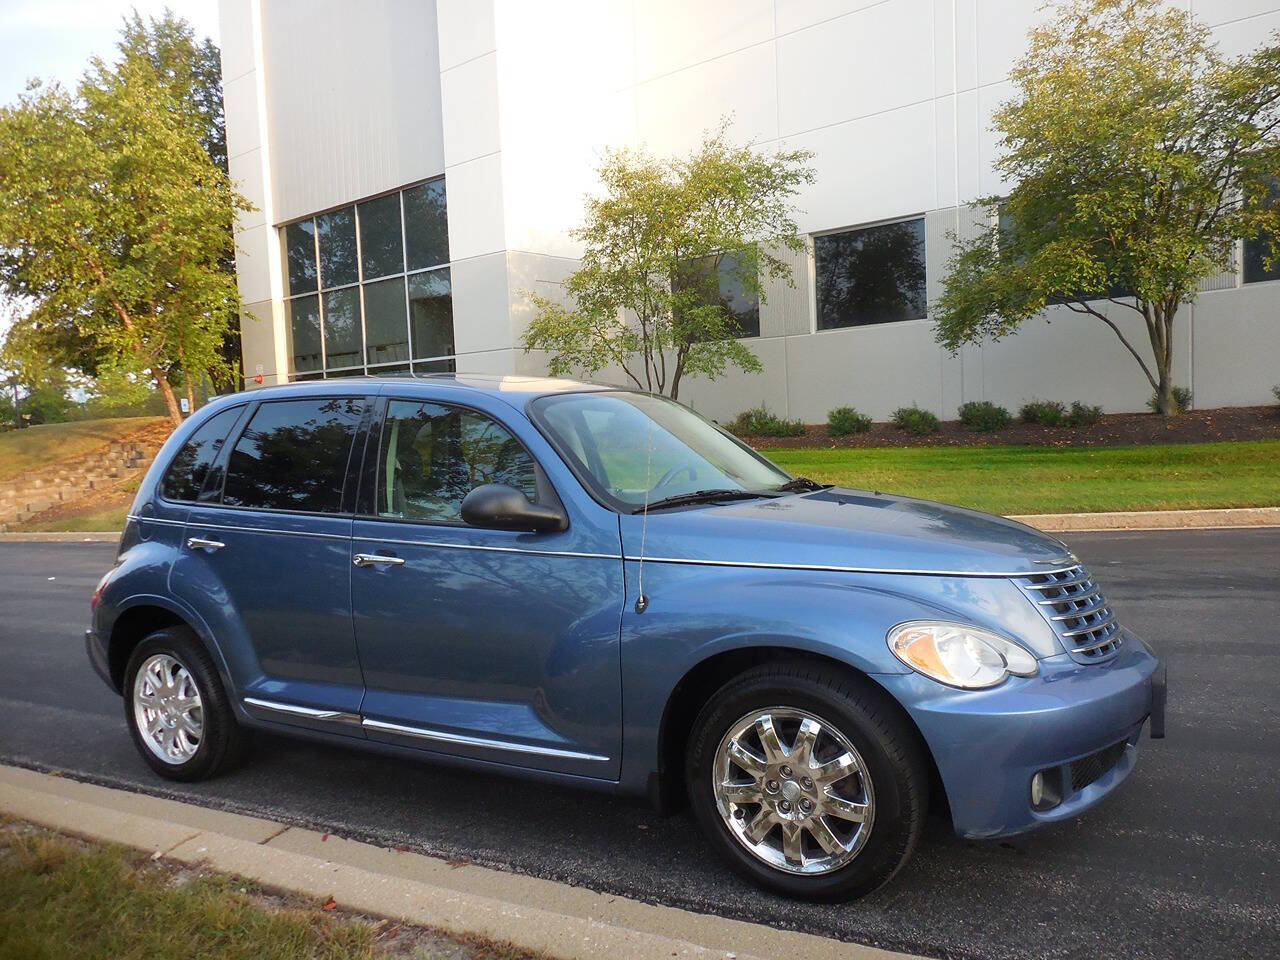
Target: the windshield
pixel 635 447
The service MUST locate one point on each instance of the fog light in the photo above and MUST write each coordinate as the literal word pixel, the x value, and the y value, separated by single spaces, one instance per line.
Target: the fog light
pixel 1046 789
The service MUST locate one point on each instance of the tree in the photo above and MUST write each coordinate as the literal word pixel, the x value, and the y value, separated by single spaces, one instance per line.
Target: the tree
pixel 646 297
pixel 1140 155
pixel 115 223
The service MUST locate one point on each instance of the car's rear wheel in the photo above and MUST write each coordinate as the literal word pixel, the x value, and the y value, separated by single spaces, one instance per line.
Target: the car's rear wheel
pixel 177 710
pixel 807 780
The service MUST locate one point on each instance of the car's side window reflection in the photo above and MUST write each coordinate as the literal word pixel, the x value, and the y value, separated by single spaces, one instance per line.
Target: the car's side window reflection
pixel 432 455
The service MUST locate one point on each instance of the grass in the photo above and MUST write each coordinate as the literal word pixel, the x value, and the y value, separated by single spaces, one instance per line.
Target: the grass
pixel 1012 480
pixel 42 446
pixel 109 518
pixel 62 898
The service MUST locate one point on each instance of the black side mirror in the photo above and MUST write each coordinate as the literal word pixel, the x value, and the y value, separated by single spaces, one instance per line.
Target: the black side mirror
pixel 501 507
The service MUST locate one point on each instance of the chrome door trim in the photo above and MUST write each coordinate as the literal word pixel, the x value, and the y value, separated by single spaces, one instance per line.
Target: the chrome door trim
pixel 458 739
pixel 308 713
pixel 485 546
pixel 376 559
pixel 199 543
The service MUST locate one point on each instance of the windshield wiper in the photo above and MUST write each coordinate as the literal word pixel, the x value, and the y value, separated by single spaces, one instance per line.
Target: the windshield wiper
pixel 801 485
pixel 706 496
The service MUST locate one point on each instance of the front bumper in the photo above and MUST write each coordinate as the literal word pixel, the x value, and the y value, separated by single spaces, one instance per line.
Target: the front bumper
pixel 988 744
pixel 97 652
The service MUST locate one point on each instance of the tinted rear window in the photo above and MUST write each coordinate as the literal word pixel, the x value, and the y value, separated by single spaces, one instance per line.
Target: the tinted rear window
pixel 186 474
pixel 293 455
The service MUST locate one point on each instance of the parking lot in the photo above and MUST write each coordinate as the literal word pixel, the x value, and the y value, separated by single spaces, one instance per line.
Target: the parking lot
pixel 1182 862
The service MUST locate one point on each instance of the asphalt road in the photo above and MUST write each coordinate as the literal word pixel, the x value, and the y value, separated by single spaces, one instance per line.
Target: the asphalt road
pixel 1183 862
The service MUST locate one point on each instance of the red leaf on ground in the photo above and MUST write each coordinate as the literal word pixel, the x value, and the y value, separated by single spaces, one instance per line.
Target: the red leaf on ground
pixel 400 848
pixel 329 904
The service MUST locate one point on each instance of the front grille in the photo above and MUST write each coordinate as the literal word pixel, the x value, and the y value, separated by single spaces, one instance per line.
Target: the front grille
pixel 1094 767
pixel 1078 612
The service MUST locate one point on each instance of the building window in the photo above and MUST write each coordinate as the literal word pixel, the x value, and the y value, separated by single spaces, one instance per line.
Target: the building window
pixel 719 281
pixel 871 275
pixel 1257 250
pixel 368 287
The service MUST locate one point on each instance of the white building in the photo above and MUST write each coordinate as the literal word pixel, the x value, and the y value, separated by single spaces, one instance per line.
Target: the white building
pixel 416 166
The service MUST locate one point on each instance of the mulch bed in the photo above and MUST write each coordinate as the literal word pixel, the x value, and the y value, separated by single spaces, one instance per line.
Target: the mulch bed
pixel 1117 429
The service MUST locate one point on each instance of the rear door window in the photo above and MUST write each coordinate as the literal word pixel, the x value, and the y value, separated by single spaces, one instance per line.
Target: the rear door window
pixel 187 472
pixel 432 455
pixel 293 455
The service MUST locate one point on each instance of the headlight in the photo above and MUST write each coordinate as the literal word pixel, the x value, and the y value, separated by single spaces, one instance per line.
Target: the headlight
pixel 959 655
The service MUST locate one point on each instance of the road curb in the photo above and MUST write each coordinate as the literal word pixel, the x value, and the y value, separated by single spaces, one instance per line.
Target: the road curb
pixel 1222 519
pixel 36 537
pixel 461 899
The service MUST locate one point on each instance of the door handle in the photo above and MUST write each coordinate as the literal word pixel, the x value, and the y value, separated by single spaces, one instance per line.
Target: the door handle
pixel 376 559
pixel 199 543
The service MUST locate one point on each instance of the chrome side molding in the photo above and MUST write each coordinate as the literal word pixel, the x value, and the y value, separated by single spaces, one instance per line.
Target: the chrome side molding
pixel 458 739
pixel 306 713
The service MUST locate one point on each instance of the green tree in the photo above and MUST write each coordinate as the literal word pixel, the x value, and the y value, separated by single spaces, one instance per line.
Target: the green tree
pixel 1140 155
pixel 115 224
pixel 646 297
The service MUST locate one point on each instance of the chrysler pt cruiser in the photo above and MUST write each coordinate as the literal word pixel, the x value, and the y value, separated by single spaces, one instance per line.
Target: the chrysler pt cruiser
pixel 600 588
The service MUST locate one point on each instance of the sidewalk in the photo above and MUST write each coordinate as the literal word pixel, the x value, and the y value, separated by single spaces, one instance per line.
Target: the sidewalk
pixel 568 922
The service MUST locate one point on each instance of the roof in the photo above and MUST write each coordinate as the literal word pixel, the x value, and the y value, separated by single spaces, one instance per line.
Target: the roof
pixel 493 384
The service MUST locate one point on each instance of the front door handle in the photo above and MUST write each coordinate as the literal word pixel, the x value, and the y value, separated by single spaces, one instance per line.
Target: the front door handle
pixel 376 559
pixel 199 543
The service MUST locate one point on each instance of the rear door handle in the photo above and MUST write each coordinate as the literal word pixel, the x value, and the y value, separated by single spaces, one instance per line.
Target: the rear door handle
pixel 199 543
pixel 376 559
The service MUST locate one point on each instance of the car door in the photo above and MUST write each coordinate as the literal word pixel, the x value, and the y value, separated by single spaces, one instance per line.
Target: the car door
pixel 266 561
pixel 492 644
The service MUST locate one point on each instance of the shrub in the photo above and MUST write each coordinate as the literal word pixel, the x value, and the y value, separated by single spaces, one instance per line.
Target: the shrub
pixel 843 421
pixel 1083 415
pixel 984 416
pixel 1276 391
pixel 1181 400
pixel 1048 413
pixel 914 420
pixel 761 423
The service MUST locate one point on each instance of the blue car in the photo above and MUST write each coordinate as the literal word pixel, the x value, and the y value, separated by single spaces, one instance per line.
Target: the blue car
pixel 600 588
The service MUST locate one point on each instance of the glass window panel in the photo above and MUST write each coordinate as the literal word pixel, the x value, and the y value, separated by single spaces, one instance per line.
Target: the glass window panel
pixel 431 456
pixel 1258 249
pixel 381 246
pixel 426 225
pixel 342 328
pixel 304 325
pixel 339 374
pixel 300 252
pixel 718 281
pixel 186 474
pixel 431 313
pixel 293 455
pixel 434 366
pixel 337 234
pixel 872 275
pixel 389 368
pixel 386 328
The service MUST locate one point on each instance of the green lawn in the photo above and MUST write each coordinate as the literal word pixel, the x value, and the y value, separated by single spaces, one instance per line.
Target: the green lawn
pixel 60 899
pixel 1012 480
pixel 36 447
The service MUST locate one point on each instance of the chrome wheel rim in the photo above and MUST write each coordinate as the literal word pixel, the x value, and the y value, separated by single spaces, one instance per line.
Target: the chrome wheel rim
pixel 167 709
pixel 793 791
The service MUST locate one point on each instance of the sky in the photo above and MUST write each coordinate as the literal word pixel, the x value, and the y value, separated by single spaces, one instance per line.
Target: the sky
pixel 54 39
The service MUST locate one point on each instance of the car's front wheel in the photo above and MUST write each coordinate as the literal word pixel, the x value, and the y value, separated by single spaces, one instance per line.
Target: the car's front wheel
pixel 177 710
pixel 807 780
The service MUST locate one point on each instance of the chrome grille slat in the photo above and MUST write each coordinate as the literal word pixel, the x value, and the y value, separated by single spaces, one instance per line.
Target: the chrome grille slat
pixel 1078 612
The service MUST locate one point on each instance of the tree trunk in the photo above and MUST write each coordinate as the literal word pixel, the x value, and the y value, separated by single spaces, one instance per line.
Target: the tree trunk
pixel 166 391
pixel 1161 330
pixel 191 393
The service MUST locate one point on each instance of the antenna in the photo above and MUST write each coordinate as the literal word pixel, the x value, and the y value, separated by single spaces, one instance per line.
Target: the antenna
pixel 642 601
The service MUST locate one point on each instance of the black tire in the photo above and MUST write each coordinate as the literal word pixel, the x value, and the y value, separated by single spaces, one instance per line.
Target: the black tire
pixel 888 744
pixel 223 742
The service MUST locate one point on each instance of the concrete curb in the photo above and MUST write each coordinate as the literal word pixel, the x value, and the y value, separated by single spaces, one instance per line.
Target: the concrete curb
pixel 36 537
pixel 564 921
pixel 1230 518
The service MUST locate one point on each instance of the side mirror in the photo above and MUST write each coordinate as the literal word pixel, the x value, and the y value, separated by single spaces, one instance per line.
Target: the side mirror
pixel 500 507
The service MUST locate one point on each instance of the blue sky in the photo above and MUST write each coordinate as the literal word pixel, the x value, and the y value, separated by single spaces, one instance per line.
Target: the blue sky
pixel 55 38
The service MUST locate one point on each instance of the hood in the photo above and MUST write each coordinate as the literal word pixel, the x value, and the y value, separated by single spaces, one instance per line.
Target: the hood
pixel 847 530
